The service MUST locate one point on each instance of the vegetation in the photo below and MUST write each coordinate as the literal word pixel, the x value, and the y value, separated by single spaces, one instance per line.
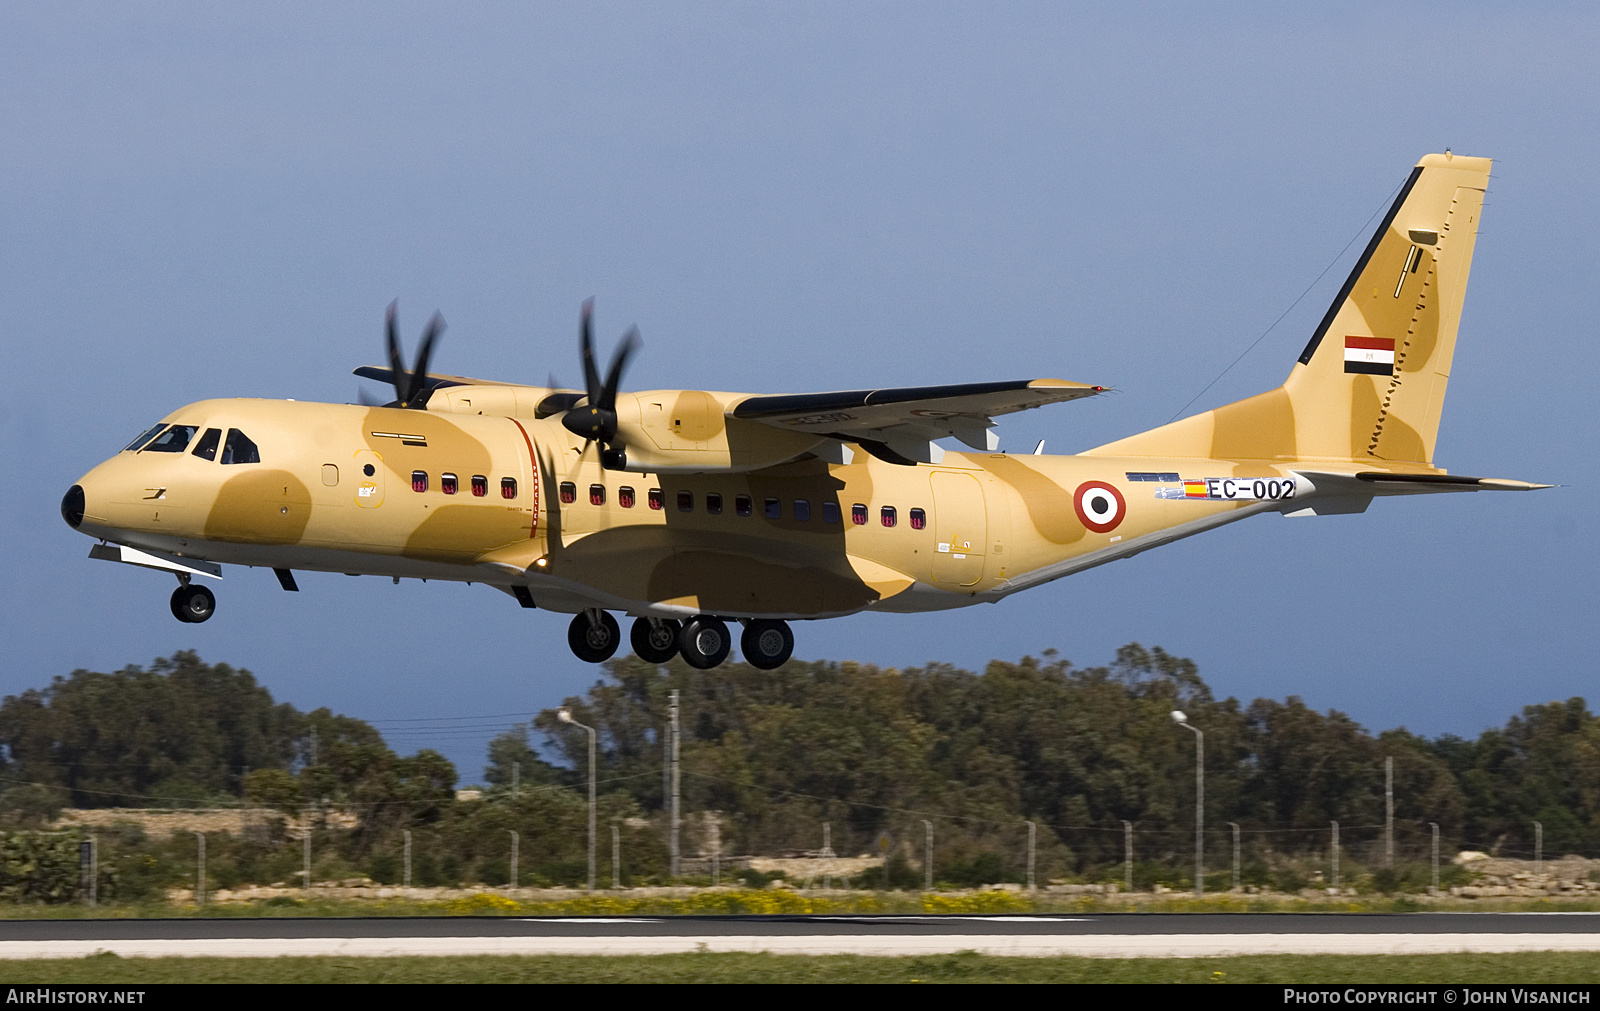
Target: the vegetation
pixel 959 967
pixel 874 752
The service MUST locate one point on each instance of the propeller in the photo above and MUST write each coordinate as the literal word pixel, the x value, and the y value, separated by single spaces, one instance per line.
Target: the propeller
pixel 411 389
pixel 595 417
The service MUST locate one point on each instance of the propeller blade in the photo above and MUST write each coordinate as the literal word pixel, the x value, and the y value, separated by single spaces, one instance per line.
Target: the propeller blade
pixel 619 361
pixel 391 333
pixel 415 395
pixel 591 376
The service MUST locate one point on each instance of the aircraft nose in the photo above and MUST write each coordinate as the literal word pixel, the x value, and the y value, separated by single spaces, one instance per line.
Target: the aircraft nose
pixel 72 505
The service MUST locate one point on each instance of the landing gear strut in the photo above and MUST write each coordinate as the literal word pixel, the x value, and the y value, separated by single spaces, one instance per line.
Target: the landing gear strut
pixel 593 636
pixel 193 603
pixel 704 642
pixel 766 643
pixel 655 639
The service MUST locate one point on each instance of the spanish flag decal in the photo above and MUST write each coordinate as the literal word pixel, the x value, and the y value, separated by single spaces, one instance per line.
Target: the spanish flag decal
pixel 1373 356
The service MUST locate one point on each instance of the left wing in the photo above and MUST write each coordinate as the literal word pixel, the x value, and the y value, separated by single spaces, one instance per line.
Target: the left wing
pixel 899 425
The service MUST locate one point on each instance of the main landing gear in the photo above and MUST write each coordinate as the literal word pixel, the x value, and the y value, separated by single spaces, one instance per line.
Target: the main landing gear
pixel 703 641
pixel 193 603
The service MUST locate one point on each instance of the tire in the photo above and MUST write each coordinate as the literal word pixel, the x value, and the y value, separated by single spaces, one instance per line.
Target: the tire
pixel 594 642
pixel 655 642
pixel 705 642
pixel 766 643
pixel 193 603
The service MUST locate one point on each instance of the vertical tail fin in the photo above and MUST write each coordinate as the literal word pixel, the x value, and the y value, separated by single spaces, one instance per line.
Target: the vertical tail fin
pixel 1370 384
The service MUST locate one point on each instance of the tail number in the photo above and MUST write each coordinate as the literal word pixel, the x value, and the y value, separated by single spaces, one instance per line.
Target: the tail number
pixel 1244 489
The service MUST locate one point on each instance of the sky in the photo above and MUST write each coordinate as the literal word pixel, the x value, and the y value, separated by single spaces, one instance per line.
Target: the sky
pixel 204 201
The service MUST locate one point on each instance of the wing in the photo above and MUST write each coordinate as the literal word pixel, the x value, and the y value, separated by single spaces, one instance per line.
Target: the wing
pixel 899 424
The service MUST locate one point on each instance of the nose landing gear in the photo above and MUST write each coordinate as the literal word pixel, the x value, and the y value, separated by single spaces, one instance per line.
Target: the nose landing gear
pixel 193 603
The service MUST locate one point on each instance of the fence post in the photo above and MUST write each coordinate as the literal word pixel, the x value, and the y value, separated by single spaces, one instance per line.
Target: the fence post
pixel 1235 827
pixel 1388 812
pixel 308 855
pixel 514 841
pixel 1538 847
pixel 407 833
pixel 1127 854
pixel 927 860
pixel 200 880
pixel 616 857
pixel 1335 854
pixel 1032 851
pixel 1435 826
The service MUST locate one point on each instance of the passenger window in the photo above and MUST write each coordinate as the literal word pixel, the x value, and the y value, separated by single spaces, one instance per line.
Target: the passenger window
pixel 569 493
pixel 773 509
pixel 173 440
pixel 239 448
pixel 144 437
pixel 858 514
pixel 447 483
pixel 508 487
pixel 480 485
pixel 742 505
pixel 802 509
pixel 714 503
pixel 625 497
pixel 597 494
pixel 919 519
pixel 887 516
pixel 654 497
pixel 830 512
pixel 686 501
pixel 419 480
pixel 206 448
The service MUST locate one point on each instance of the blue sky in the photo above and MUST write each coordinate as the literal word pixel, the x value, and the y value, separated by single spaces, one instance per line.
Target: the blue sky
pixel 206 201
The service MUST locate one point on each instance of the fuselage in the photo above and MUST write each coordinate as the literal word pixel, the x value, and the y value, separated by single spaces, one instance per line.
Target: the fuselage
pixel 520 502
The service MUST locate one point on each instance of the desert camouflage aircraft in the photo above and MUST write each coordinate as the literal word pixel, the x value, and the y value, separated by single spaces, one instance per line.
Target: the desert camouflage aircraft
pixel 690 510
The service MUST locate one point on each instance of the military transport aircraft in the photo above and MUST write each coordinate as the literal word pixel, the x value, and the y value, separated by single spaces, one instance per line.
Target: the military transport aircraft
pixel 690 510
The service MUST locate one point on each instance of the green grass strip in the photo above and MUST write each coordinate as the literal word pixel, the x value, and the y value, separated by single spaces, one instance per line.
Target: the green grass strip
pixel 962 967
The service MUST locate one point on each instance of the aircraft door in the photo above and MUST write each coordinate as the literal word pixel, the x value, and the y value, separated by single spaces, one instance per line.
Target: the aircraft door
pixel 960 527
pixel 368 479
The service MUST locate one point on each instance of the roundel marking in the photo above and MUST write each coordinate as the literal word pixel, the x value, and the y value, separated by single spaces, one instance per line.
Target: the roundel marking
pixel 1099 506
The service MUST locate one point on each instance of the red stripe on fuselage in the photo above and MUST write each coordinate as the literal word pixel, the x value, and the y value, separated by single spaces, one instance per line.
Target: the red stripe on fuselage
pixel 533 461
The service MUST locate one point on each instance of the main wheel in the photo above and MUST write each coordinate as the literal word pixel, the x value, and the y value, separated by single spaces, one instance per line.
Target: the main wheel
pixel 593 640
pixel 704 642
pixel 193 603
pixel 766 643
pixel 655 639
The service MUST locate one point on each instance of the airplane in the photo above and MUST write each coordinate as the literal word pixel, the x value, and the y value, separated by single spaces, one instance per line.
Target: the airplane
pixel 693 510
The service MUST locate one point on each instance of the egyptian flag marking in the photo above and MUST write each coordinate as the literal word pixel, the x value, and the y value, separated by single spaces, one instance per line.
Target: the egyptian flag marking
pixel 1373 356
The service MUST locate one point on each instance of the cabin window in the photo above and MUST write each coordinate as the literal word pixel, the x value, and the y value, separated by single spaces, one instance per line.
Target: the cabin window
pixel 887 516
pixel 802 509
pixel 480 485
pixel 830 512
pixel 919 519
pixel 419 480
pixel 239 448
pixel 714 503
pixel 742 505
pixel 597 494
pixel 206 448
pixel 569 493
pixel 773 509
pixel 447 483
pixel 686 501
pixel 858 514
pixel 144 437
pixel 173 440
pixel 625 497
pixel 508 487
pixel 653 496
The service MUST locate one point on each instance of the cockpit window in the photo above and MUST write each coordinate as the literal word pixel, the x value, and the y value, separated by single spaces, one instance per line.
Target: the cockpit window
pixel 206 448
pixel 173 440
pixel 239 448
pixel 144 437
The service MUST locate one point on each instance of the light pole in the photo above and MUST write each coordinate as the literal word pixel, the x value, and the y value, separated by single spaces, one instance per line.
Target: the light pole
pixel 1181 720
pixel 565 716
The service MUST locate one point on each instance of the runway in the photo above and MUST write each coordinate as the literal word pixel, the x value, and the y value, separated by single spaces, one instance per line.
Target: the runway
pixel 1105 935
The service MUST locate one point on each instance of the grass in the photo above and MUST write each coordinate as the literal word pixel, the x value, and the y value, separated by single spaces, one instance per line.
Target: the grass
pixel 962 967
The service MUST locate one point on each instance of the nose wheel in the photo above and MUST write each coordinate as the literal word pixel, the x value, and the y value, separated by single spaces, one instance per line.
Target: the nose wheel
pixel 593 636
pixel 704 642
pixel 655 639
pixel 766 643
pixel 193 603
